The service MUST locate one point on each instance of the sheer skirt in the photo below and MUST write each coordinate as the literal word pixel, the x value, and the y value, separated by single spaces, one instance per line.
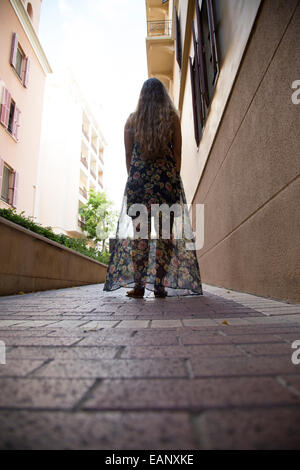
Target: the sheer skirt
pixel 154 245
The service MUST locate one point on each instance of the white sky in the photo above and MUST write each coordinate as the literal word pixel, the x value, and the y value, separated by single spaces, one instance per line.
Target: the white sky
pixel 104 43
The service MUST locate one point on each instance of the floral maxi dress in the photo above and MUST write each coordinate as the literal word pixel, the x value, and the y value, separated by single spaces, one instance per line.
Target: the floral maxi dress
pixel 157 260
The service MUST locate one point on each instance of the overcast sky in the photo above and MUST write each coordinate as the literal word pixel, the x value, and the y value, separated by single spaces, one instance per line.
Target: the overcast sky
pixel 104 43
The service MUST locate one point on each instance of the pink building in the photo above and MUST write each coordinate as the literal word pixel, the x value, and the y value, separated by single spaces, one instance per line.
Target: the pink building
pixel 23 70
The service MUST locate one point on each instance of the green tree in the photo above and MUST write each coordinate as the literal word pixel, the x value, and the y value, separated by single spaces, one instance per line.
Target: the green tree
pixel 99 218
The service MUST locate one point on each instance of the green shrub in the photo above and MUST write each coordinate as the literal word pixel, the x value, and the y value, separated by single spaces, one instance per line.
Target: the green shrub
pixel 78 244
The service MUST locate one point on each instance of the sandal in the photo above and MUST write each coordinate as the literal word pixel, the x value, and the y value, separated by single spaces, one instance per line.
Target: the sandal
pixel 137 292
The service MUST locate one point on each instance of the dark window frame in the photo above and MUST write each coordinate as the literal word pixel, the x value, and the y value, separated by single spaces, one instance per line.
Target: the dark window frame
pixel 202 91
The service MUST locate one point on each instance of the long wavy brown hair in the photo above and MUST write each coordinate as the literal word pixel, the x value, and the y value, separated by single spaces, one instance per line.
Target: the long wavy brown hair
pixel 153 120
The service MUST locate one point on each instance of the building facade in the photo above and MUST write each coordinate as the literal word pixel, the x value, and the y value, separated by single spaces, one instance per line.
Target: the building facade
pixel 235 81
pixel 71 155
pixel 23 70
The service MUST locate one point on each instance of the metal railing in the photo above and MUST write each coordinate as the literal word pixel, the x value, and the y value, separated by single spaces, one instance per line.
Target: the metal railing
pixel 84 161
pixel 159 28
pixel 83 192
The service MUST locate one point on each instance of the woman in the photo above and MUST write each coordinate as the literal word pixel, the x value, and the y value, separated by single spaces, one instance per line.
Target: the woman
pixel 141 258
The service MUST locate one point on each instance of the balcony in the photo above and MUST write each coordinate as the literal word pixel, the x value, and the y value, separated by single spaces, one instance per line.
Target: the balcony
pixel 160 50
pixel 85 133
pixel 83 192
pixel 84 161
pixel 159 28
pixel 81 222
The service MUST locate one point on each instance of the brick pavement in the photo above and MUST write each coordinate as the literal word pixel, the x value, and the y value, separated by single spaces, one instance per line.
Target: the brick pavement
pixel 86 369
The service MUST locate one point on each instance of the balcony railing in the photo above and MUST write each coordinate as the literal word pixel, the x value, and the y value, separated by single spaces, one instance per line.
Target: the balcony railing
pixel 93 174
pixel 83 192
pixel 84 161
pixel 159 28
pixel 85 132
pixel 81 221
pixel 94 147
pixel 100 156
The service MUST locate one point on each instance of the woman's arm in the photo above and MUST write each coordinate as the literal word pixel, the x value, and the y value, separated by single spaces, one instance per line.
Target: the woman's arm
pixel 128 141
pixel 177 142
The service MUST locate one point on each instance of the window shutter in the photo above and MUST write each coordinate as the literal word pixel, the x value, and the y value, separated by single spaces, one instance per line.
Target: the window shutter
pixel 1 173
pixel 15 189
pixel 197 83
pixel 213 42
pixel 14 47
pixel 201 57
pixel 177 38
pixel 5 107
pixel 26 73
pixel 16 122
pixel 197 137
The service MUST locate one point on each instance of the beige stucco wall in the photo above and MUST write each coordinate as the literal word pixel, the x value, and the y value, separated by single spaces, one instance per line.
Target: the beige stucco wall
pixel 23 155
pixel 32 263
pixel 237 18
pixel 250 185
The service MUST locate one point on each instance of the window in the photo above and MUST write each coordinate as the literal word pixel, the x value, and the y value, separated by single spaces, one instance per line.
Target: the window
pixel 204 68
pixel 9 114
pixel 9 181
pixel 30 10
pixel 19 61
pixel 6 184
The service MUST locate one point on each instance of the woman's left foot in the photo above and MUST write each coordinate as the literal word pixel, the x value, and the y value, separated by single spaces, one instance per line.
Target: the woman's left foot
pixel 137 293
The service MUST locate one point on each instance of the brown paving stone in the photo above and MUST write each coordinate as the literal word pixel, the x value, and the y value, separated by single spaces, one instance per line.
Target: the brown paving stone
pixel 22 333
pixel 194 338
pixel 242 366
pixel 18 367
pixel 247 339
pixel 218 350
pixel 255 429
pixel 98 430
pixel 113 368
pixel 188 394
pixel 73 353
pixel 154 337
pixel 42 393
pixel 292 380
pixel 259 329
pixel 267 349
pixel 109 337
pixel 41 341
pixel 288 337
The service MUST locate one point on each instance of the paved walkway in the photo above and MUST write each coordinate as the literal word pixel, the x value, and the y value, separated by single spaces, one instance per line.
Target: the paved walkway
pixel 86 369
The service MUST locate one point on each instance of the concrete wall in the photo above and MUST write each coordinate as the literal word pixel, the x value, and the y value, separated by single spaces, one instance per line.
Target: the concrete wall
pixel 31 263
pixel 250 184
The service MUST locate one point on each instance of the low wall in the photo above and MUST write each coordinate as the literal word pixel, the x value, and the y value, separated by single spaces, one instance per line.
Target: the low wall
pixel 30 263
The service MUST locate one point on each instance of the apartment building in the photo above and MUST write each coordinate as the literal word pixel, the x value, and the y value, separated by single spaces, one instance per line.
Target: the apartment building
pixel 234 75
pixel 71 155
pixel 23 70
